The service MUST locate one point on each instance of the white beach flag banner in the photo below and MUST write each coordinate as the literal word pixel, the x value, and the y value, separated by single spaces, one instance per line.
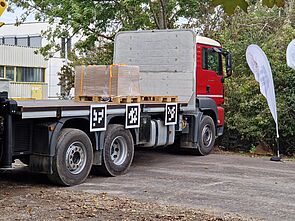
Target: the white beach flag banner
pixel 261 69
pixel 291 55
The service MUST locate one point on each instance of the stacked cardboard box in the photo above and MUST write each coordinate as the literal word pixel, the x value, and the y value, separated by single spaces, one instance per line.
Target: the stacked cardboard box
pixel 107 81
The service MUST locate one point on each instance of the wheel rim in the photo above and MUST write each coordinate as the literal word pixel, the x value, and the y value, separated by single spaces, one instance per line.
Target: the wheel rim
pixel 76 158
pixel 207 135
pixel 119 150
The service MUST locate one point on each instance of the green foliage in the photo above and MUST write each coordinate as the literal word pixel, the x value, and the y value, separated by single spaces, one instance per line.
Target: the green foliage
pixel 230 6
pixel 99 21
pixel 66 80
pixel 247 112
pixel 272 3
pixel 253 149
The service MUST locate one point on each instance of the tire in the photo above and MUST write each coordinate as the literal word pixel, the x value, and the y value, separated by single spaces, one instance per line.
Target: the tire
pixel 117 153
pixel 207 137
pixel 73 158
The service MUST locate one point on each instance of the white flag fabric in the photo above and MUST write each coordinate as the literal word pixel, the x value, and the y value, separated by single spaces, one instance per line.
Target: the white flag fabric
pixel 291 55
pixel 261 69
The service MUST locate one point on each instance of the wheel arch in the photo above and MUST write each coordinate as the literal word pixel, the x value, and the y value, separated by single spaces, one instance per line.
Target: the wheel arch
pixel 209 108
pixel 120 119
pixel 75 123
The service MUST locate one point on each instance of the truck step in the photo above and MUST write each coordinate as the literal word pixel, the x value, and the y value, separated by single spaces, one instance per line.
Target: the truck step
pixel 127 99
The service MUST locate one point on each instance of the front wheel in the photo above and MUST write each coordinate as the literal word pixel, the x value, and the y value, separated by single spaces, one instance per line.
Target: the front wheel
pixel 206 137
pixel 73 159
pixel 118 151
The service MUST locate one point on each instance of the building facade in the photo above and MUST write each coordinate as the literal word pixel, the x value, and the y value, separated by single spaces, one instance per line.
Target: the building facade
pixel 25 70
pixel 22 66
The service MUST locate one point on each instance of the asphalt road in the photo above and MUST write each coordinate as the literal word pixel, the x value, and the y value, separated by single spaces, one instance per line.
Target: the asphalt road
pixel 219 183
pixel 250 187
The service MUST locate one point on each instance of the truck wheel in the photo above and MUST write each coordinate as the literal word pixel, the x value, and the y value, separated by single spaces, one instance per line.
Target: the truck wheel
pixel 207 136
pixel 118 151
pixel 73 159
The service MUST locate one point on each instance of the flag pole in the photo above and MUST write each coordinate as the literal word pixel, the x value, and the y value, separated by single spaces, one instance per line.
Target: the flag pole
pixel 278 157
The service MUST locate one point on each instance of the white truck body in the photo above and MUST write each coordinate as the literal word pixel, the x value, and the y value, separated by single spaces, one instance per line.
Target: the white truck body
pixel 167 61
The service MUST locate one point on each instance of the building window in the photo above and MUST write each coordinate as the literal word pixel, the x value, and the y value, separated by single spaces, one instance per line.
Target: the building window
pixel 65 43
pixel 10 73
pixel 26 41
pixel 26 74
pixel 9 40
pixel 1 71
pixel 35 41
pixel 22 41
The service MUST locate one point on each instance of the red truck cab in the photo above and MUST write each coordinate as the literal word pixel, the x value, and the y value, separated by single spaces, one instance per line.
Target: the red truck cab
pixel 210 72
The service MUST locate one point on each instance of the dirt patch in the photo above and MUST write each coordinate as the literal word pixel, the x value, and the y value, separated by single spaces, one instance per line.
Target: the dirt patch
pixel 27 202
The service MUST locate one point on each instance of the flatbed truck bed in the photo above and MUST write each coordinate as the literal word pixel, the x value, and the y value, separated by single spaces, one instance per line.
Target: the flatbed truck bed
pixel 65 139
pixel 70 108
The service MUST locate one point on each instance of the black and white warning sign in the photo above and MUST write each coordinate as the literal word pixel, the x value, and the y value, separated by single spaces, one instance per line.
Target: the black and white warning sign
pixel 132 116
pixel 98 117
pixel 171 114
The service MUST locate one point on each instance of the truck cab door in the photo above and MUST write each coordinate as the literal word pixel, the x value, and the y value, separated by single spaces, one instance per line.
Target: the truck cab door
pixel 210 73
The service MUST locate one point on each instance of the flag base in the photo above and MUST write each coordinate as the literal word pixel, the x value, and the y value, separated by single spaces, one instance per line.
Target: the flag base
pixel 275 159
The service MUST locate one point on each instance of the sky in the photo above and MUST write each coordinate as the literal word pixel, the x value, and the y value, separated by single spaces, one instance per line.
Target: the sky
pixel 8 17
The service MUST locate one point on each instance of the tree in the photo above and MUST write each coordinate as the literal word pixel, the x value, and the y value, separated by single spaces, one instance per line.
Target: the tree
pixel 230 6
pixel 66 80
pixel 97 22
pixel 247 113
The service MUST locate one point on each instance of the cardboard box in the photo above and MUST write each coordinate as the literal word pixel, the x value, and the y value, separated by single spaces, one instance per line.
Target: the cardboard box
pixel 107 81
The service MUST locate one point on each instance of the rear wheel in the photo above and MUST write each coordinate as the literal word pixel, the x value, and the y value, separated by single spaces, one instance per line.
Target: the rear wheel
pixel 206 137
pixel 73 159
pixel 118 151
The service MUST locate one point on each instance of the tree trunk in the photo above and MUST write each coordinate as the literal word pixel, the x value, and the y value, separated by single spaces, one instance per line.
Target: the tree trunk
pixel 163 15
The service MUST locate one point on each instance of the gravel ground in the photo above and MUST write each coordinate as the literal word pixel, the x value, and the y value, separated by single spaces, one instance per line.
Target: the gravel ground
pixel 159 186
pixel 34 202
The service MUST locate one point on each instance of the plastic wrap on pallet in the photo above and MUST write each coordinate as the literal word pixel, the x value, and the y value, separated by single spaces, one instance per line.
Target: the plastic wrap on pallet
pixel 107 80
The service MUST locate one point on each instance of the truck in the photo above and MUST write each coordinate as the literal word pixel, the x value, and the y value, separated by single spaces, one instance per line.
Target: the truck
pixel 182 92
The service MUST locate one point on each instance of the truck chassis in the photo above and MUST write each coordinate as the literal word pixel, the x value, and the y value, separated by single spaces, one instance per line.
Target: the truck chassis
pixel 66 139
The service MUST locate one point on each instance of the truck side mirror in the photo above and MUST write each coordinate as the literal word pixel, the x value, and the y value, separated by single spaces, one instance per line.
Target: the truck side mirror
pixel 229 62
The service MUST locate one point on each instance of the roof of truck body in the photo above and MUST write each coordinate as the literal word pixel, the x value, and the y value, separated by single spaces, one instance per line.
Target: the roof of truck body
pixel 199 39
pixel 207 41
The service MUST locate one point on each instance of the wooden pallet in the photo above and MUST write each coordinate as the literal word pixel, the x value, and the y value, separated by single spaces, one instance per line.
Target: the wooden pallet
pixel 127 99
pixel 158 99
pixel 101 99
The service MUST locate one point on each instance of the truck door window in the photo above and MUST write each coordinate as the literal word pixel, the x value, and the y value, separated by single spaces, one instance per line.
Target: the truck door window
pixel 211 61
